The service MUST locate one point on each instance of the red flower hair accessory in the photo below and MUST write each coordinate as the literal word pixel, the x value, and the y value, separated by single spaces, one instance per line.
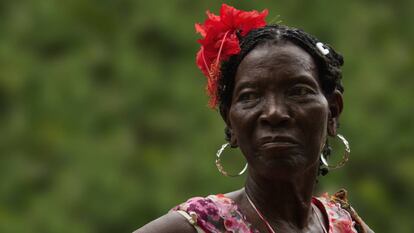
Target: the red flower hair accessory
pixel 220 41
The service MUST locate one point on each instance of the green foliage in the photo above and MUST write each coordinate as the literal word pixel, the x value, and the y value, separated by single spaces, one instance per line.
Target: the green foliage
pixel 103 117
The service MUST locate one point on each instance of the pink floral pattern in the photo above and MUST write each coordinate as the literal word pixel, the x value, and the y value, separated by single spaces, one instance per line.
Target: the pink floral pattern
pixel 340 220
pixel 218 214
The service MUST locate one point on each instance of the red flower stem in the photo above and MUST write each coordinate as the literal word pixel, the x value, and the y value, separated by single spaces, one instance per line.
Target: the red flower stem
pixel 204 60
pixel 221 47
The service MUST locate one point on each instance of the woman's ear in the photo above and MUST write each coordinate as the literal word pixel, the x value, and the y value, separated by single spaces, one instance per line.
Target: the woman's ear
pixel 228 131
pixel 336 105
pixel 230 137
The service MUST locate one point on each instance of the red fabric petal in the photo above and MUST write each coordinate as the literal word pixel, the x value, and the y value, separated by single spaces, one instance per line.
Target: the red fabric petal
pixel 200 29
pixel 229 16
pixel 251 20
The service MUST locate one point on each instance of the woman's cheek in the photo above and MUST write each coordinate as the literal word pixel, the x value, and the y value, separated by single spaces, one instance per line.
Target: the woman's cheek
pixel 318 120
pixel 243 122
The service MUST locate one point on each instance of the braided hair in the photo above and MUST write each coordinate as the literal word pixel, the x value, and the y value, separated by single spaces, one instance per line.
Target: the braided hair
pixel 329 65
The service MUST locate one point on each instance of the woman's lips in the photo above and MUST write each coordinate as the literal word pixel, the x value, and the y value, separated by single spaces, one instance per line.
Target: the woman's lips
pixel 278 142
pixel 278 145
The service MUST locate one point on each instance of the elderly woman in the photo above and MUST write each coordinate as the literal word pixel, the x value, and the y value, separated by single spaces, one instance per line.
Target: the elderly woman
pixel 279 92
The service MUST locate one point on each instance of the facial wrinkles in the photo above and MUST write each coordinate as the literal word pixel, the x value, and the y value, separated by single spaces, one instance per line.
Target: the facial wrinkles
pixel 272 71
pixel 263 71
pixel 278 62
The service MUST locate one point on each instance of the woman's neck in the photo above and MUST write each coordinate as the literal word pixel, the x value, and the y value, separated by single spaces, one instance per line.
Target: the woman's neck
pixel 283 201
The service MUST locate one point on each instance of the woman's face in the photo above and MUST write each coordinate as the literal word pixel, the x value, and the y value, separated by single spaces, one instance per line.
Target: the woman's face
pixel 278 114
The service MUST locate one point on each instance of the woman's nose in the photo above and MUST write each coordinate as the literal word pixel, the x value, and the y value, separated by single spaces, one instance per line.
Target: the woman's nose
pixel 275 112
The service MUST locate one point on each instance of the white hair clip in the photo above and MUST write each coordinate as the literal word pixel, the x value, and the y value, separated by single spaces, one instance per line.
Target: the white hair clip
pixel 322 48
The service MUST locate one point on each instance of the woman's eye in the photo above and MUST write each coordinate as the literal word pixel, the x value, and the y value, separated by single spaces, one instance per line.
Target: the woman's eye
pixel 246 96
pixel 302 91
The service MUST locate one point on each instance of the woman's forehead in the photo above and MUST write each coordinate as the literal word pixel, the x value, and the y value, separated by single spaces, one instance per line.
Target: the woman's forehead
pixel 284 58
pixel 280 54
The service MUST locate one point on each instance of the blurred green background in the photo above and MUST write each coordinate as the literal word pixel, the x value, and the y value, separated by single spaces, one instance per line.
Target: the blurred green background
pixel 105 125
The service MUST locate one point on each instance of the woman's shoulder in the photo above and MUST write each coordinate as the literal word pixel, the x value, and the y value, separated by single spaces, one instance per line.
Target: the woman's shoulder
pixel 214 213
pixel 340 214
pixel 213 204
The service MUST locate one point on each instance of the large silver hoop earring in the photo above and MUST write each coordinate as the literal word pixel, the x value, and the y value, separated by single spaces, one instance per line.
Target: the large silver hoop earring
pixel 220 167
pixel 345 156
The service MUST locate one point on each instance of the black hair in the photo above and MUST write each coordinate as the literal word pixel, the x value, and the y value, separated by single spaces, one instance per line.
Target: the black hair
pixel 329 65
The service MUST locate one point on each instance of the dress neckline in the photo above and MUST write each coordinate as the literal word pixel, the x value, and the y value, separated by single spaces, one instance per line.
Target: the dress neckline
pixel 315 200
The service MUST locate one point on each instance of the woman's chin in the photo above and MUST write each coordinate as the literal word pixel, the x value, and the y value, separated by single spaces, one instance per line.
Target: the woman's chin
pixel 290 154
pixel 283 163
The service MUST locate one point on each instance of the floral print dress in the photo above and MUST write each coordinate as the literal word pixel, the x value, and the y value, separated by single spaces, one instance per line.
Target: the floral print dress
pixel 218 214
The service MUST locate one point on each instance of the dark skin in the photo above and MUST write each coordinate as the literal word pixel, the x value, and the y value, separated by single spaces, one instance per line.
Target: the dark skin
pixel 279 117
